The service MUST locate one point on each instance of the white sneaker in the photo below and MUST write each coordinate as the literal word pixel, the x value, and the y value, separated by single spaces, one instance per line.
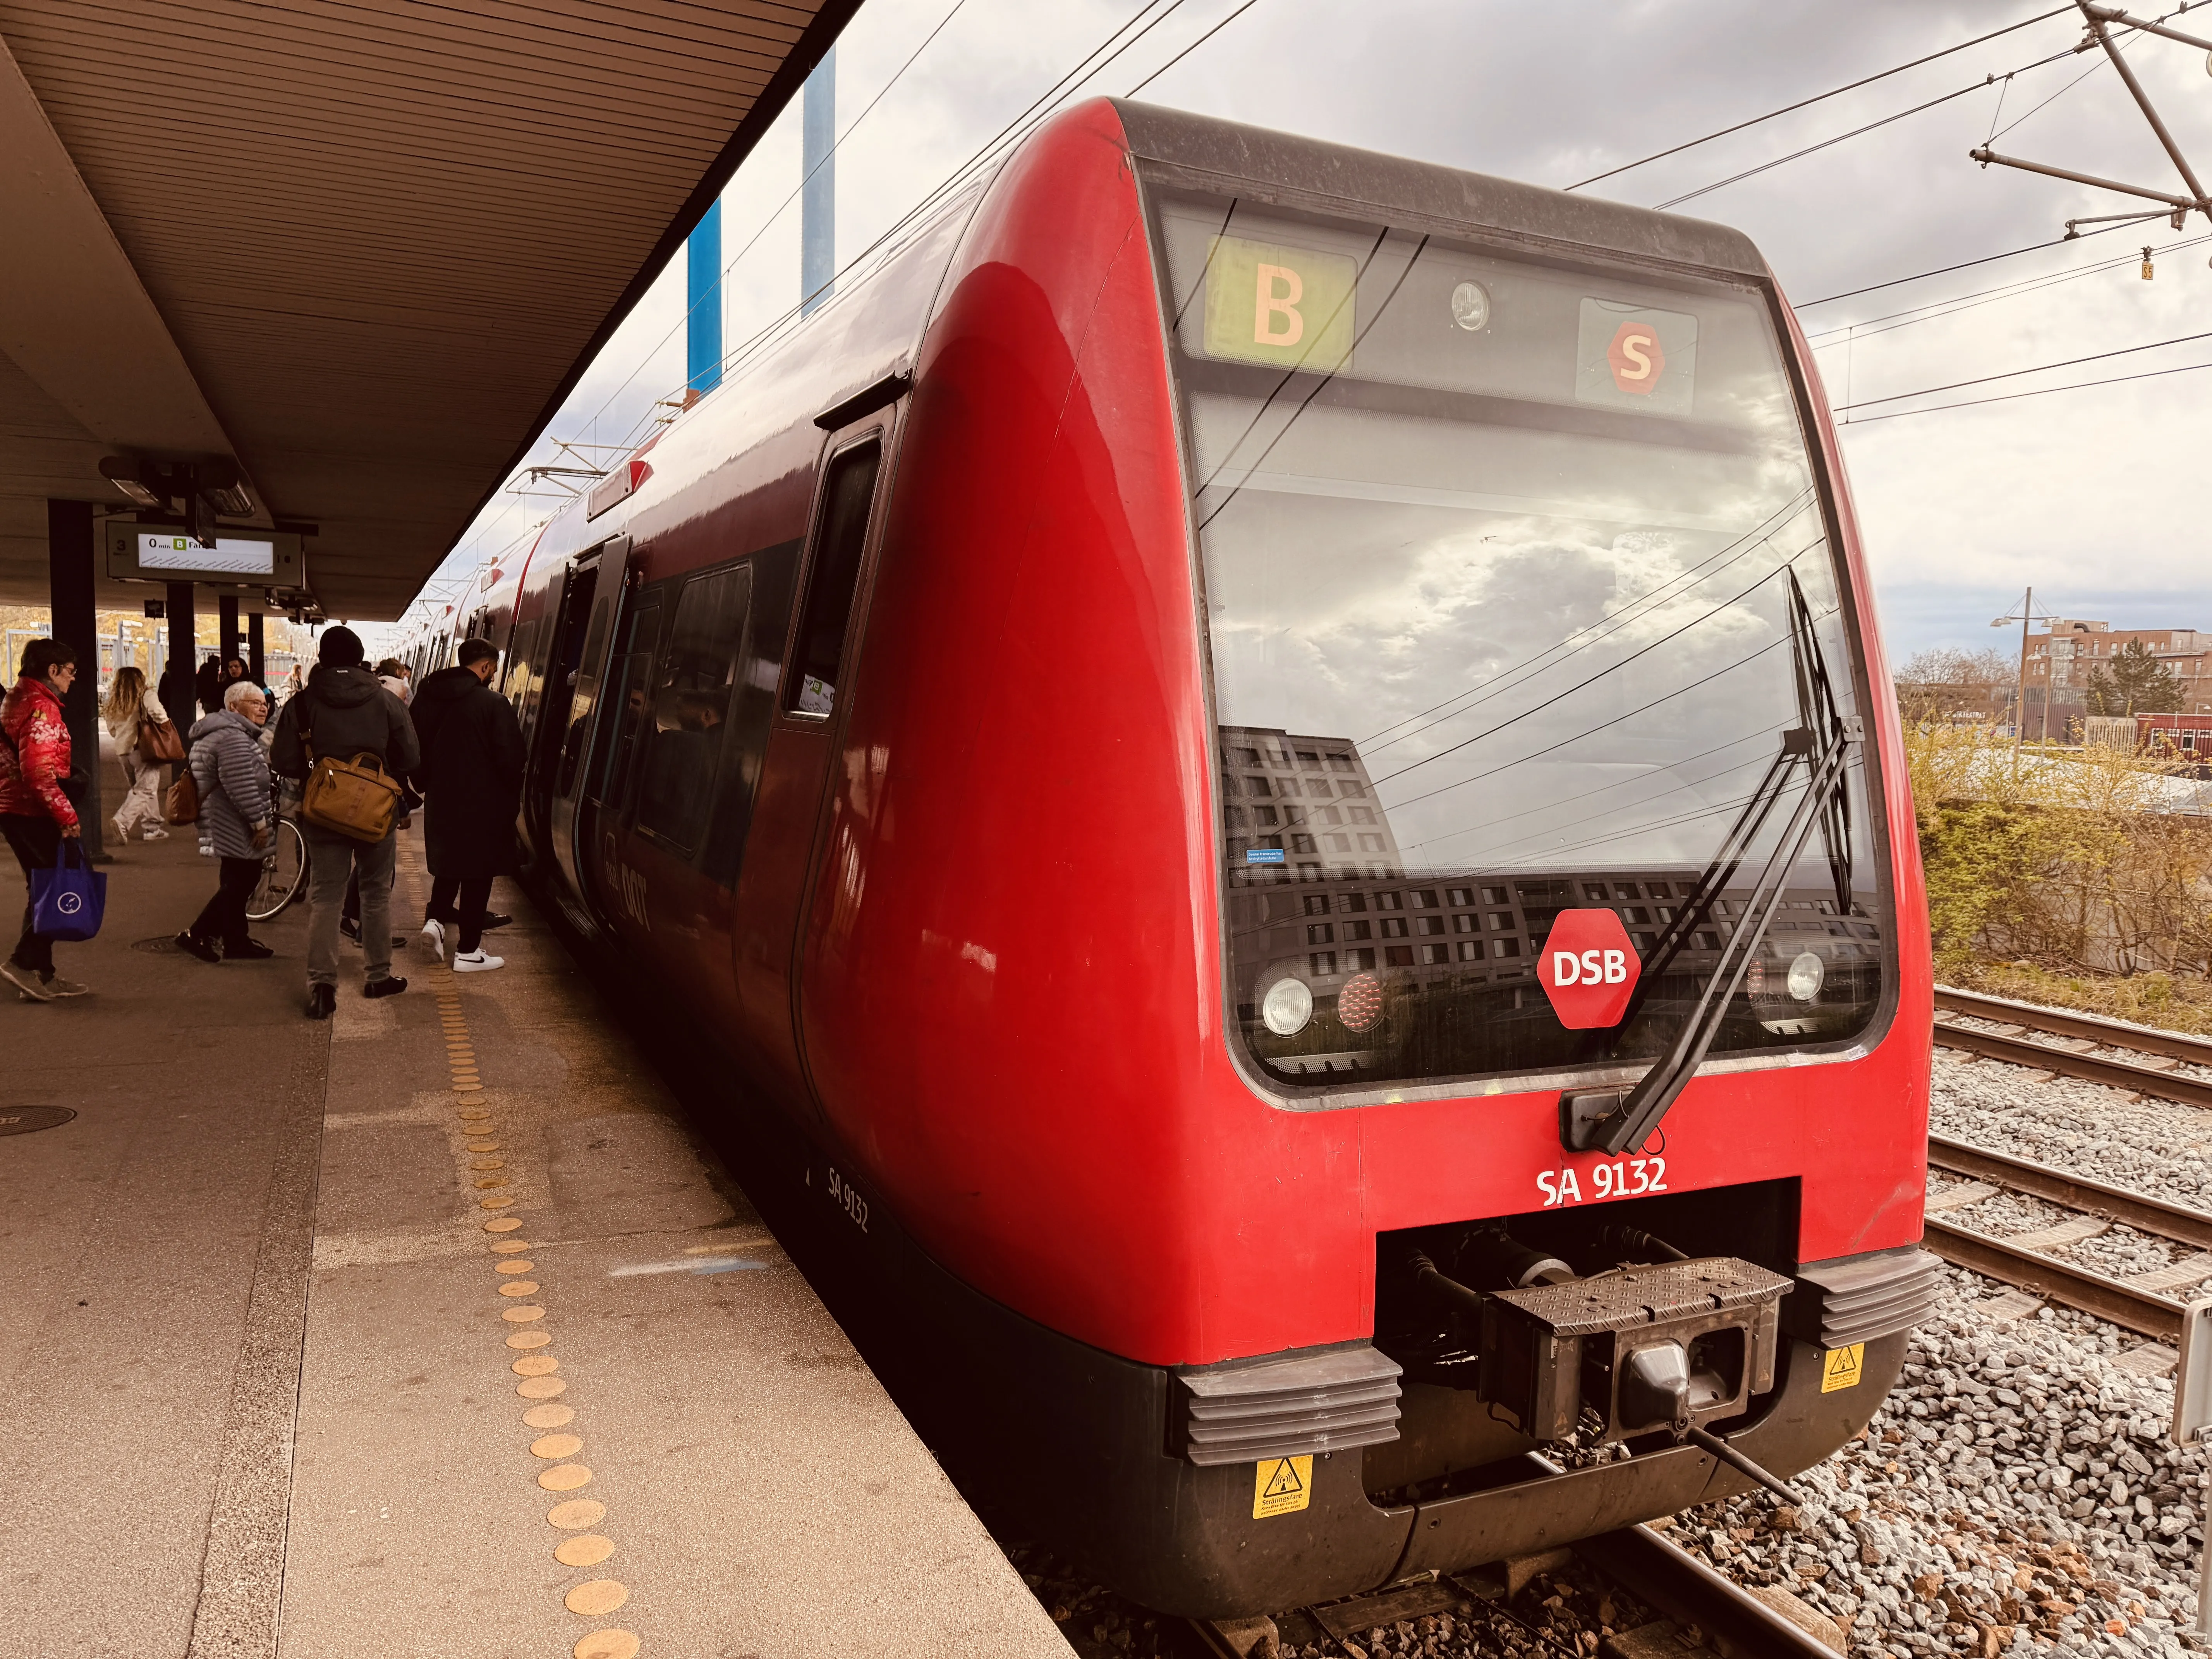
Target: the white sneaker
pixel 207 849
pixel 475 961
pixel 122 830
pixel 156 833
pixel 434 932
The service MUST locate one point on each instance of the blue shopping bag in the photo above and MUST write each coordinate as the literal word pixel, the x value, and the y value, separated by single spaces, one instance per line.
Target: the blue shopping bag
pixel 68 900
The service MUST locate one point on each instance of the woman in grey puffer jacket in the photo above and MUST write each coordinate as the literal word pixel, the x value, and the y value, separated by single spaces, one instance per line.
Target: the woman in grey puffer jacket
pixel 230 768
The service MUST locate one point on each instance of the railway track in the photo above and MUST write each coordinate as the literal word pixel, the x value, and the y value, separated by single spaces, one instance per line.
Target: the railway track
pixel 2147 1304
pixel 1652 1567
pixel 2155 1070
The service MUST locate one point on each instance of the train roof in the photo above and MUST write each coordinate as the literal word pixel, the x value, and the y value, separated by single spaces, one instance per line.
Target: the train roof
pixel 1283 166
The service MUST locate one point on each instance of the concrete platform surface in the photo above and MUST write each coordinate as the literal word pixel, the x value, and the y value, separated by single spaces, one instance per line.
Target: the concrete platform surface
pixel 429 1330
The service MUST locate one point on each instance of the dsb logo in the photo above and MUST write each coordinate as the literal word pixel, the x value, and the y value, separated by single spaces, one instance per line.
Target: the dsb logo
pixel 1589 970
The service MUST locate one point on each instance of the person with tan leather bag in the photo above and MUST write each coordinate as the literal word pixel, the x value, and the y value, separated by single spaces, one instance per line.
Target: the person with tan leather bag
pixel 349 742
pixel 145 740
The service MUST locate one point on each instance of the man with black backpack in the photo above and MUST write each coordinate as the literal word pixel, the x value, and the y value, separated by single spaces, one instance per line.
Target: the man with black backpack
pixel 346 738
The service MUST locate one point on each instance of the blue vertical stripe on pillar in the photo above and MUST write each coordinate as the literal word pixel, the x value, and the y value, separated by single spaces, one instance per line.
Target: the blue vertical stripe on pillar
pixel 702 351
pixel 818 201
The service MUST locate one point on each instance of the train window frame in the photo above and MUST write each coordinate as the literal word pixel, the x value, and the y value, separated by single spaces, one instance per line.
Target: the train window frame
pixel 796 666
pixel 734 652
pixel 1158 179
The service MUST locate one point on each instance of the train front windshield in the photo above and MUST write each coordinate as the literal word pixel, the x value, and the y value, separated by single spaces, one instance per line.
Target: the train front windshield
pixel 1517 589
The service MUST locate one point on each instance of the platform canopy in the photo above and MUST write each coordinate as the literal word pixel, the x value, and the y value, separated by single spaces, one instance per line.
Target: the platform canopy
pixel 359 250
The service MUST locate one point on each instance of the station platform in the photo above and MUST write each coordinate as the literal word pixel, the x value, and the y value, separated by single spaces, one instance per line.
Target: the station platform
pixel 431 1329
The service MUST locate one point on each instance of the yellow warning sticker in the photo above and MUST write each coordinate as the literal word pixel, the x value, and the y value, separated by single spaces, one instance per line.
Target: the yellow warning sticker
pixel 1840 1367
pixel 1283 1483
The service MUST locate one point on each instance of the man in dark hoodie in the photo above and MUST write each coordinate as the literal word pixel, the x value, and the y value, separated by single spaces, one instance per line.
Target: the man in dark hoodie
pixel 472 784
pixel 344 712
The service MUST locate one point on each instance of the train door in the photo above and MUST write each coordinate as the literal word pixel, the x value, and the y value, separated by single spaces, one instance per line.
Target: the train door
pixel 590 608
pixel 768 942
pixel 606 809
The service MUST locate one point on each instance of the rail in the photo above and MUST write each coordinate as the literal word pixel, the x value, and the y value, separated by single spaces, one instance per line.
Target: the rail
pixel 2135 1305
pixel 2095 1068
pixel 1675 1583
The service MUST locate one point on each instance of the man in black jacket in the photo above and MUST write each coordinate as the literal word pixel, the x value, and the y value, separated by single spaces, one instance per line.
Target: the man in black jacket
pixel 470 781
pixel 344 712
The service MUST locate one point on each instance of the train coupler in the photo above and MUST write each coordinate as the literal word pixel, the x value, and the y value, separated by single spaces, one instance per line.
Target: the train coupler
pixel 1658 1348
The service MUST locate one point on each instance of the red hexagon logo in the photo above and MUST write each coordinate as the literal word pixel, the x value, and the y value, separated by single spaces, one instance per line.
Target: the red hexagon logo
pixel 1588 968
pixel 1635 358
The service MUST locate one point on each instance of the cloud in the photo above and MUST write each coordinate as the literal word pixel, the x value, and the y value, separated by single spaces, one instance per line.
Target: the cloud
pixel 2091 495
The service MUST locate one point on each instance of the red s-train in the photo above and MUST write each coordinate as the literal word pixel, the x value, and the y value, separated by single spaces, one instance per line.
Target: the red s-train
pixel 1277 760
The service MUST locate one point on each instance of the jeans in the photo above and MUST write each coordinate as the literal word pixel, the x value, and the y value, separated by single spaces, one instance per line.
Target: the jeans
pixel 453 899
pixel 37 842
pixel 332 858
pixel 142 805
pixel 224 918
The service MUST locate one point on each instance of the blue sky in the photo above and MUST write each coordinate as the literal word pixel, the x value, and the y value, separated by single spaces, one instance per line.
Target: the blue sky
pixel 2092 496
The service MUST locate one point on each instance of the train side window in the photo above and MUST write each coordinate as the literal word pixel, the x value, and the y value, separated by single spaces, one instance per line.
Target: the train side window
pixel 811 686
pixel 683 745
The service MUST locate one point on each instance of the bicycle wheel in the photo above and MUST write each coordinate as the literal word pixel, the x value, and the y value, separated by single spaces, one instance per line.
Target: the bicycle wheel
pixel 283 872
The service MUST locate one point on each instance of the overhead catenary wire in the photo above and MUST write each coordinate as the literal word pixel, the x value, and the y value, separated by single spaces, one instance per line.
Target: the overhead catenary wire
pixel 1945 270
pixel 1937 309
pixel 2014 374
pixel 1806 103
pixel 978 162
pixel 2037 391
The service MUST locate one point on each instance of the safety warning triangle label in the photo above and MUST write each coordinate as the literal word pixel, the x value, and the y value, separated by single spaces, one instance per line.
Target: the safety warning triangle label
pixel 1281 1485
pixel 1841 1368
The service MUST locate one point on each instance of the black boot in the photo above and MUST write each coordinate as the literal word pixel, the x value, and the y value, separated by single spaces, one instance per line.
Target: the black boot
pixel 321 999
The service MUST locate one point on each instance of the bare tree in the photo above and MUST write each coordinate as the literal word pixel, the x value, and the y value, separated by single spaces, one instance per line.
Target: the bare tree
pixel 1944 685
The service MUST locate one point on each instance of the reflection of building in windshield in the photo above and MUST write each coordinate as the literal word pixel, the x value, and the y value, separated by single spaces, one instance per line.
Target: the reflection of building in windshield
pixel 1319 893
pixel 1296 808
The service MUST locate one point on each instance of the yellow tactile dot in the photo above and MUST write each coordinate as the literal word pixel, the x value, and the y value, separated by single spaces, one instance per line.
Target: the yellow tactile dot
pixel 556 1446
pixel 503 1224
pixel 608 1645
pixel 513 1266
pixel 483 1146
pixel 500 1203
pixel 564 1477
pixel 522 1316
pixel 489 1183
pixel 519 1287
pixel 486 1163
pixel 550 1417
pixel 586 1550
pixel 509 1246
pixel 535 1364
pixel 596 1596
pixel 576 1513
pixel 529 1340
pixel 540 1388
pixel 467 1088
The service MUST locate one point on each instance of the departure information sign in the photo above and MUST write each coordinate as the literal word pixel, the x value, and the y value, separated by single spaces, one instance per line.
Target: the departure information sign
pixel 230 556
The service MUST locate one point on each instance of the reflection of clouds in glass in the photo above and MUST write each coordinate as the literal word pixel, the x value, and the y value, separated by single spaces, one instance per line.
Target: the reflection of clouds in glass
pixel 1503 661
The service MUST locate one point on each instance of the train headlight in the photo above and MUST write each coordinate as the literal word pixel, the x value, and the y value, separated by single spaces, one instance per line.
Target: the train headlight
pixel 1470 306
pixel 1806 973
pixel 1287 1007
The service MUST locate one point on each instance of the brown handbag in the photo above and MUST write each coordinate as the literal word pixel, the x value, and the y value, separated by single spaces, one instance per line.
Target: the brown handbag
pixel 356 797
pixel 182 803
pixel 159 744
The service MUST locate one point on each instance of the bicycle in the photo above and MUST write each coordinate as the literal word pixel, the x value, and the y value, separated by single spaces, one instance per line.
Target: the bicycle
pixel 284 871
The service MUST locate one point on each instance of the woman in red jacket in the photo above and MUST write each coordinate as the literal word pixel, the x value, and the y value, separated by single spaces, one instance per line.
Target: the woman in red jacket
pixel 36 814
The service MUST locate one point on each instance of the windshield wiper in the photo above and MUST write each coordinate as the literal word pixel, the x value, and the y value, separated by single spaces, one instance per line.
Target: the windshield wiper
pixel 1616 1119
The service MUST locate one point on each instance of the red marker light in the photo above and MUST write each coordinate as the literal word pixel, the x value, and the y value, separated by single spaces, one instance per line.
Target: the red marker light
pixel 1588 968
pixel 1360 1004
